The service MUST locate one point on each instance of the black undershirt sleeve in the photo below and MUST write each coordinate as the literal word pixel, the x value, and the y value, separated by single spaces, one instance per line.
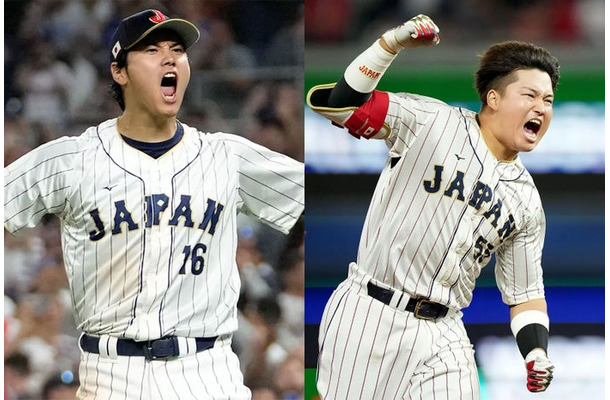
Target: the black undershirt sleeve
pixel 343 95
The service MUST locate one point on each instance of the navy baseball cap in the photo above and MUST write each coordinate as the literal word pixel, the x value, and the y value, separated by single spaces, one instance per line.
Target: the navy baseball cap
pixel 134 28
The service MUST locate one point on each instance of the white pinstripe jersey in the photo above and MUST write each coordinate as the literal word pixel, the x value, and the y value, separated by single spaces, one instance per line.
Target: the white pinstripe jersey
pixel 446 206
pixel 149 244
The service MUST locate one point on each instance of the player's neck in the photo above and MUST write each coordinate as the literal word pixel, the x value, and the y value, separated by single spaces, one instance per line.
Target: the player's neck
pixel 143 129
pixel 489 132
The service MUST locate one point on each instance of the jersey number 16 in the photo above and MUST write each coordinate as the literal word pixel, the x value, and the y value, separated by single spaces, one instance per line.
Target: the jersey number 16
pixel 196 257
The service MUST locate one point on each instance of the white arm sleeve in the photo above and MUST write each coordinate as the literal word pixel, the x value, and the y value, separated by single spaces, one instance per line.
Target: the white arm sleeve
pixel 365 72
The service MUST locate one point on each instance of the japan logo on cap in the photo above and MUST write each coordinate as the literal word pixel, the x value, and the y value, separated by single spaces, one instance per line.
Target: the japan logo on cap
pixel 159 17
pixel 116 49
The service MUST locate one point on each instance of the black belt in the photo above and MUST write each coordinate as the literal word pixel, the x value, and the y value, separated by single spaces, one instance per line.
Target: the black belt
pixel 158 349
pixel 422 308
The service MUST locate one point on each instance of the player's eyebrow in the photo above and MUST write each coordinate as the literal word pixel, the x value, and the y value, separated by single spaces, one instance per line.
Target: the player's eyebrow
pixel 538 92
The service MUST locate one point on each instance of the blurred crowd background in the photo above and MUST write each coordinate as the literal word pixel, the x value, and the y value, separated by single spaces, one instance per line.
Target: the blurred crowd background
pixel 543 21
pixel 247 78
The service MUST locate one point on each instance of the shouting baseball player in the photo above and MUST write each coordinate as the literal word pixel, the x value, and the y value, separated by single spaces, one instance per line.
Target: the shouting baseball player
pixel 148 207
pixel 452 193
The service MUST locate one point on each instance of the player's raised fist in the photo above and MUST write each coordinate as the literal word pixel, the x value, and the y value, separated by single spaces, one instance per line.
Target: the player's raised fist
pixel 419 31
pixel 539 370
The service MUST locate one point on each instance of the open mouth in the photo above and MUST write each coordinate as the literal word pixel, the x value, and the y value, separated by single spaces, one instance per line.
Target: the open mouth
pixel 168 85
pixel 532 127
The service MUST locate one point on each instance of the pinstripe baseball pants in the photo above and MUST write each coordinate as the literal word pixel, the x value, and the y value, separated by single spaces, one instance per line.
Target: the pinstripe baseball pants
pixel 369 350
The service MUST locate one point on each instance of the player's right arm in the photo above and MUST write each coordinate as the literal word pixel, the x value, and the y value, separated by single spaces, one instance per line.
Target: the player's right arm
pixel 353 102
pixel 38 183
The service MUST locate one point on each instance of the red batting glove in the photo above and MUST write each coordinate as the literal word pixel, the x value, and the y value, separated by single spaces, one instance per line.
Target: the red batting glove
pixel 539 370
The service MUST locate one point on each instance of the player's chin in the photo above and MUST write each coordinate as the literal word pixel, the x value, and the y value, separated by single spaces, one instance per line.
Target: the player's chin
pixel 529 142
pixel 167 112
pixel 526 147
pixel 170 106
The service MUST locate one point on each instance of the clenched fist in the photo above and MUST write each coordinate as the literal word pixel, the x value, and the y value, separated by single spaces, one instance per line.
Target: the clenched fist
pixel 539 370
pixel 419 31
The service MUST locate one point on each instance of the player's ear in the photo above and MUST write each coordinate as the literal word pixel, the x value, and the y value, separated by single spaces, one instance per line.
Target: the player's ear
pixel 119 74
pixel 492 99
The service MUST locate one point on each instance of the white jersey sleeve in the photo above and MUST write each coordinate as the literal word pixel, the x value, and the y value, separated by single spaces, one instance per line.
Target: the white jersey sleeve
pixel 406 116
pixel 519 260
pixel 39 183
pixel 271 185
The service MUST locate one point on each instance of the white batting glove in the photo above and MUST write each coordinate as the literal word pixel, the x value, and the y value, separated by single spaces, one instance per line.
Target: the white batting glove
pixel 419 31
pixel 539 370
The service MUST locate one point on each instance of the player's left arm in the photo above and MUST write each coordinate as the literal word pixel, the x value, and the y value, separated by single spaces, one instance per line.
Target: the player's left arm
pixel 530 326
pixel 519 277
pixel 271 184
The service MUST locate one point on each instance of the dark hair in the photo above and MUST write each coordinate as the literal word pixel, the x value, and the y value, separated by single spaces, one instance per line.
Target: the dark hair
pixel 501 60
pixel 115 90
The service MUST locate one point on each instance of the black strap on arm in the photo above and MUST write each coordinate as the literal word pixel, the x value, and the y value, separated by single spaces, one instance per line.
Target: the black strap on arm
pixel 343 95
pixel 532 336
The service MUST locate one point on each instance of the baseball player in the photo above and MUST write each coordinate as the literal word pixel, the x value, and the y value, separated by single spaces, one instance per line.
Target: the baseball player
pixel 453 192
pixel 148 209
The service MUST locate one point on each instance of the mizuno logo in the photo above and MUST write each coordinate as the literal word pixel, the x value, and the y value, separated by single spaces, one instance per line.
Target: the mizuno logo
pixel 458 157
pixel 109 188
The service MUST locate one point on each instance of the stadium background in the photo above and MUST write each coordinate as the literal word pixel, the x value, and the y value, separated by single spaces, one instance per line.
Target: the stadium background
pixel 568 168
pixel 246 78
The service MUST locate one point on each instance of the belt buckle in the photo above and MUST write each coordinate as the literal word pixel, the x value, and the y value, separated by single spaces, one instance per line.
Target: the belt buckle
pixel 418 306
pixel 161 349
